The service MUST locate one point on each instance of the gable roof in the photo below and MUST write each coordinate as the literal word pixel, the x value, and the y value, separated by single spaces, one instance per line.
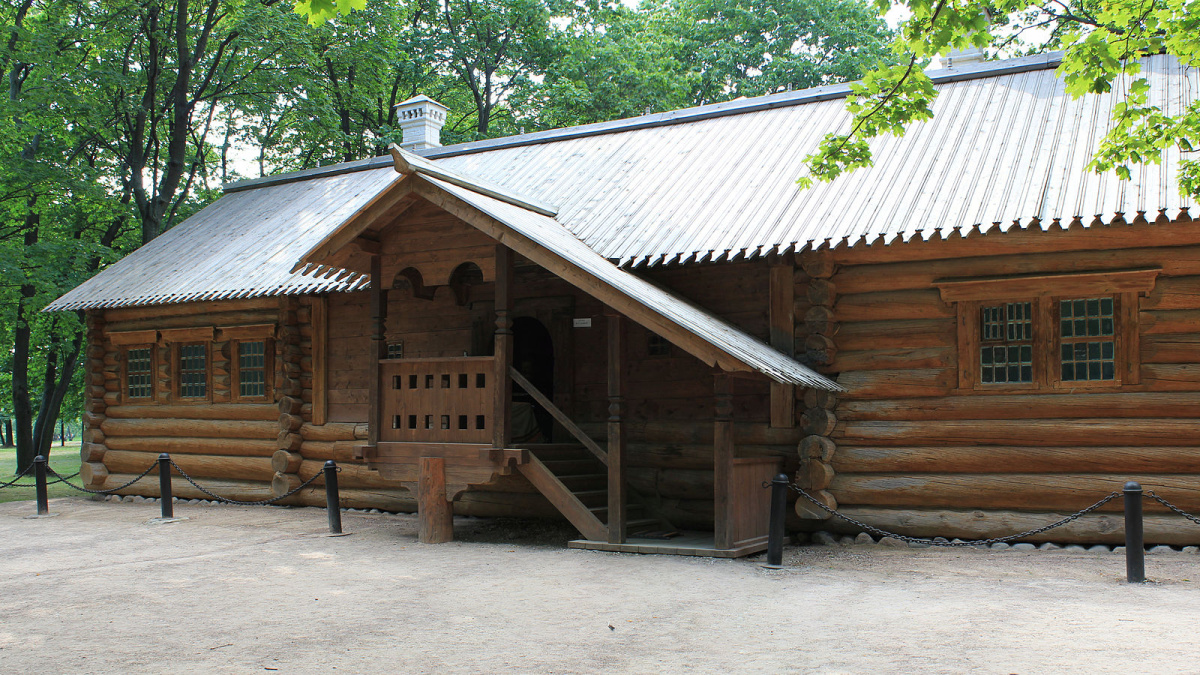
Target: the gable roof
pixel 1006 148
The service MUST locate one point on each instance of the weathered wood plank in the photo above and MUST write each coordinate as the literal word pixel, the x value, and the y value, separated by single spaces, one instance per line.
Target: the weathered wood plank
pixel 1017 459
pixel 1056 432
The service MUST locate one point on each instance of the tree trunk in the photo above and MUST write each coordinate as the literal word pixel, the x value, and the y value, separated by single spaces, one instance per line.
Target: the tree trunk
pixel 57 382
pixel 6 436
pixel 22 409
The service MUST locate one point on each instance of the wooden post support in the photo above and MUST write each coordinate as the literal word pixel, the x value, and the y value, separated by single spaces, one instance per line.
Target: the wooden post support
pixel 783 324
pixel 378 348
pixel 501 415
pixel 723 461
pixel 616 434
pixel 435 515
pixel 320 373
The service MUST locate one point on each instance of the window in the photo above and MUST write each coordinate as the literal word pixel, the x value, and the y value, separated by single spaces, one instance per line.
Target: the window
pixel 139 372
pixel 1048 331
pixel 395 349
pixel 193 371
pixel 657 345
pixel 252 369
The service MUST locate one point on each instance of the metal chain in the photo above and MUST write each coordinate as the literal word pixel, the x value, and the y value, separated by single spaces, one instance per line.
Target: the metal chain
pixel 17 478
pixel 33 485
pixel 64 479
pixel 960 544
pixel 262 502
pixel 1169 505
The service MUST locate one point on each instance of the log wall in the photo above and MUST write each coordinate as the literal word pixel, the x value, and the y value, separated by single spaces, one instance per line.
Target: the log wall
pixel 911 451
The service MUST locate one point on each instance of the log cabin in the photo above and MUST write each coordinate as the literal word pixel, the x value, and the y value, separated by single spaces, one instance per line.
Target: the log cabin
pixel 634 324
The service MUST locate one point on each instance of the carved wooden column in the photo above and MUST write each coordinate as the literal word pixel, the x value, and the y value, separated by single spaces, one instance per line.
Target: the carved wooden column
pixel 616 434
pixel 378 349
pixel 501 415
pixel 723 461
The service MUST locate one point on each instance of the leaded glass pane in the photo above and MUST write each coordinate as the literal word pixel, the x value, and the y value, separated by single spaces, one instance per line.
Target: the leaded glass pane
pixel 1011 360
pixel 1085 358
pixel 138 373
pixel 252 368
pixel 193 374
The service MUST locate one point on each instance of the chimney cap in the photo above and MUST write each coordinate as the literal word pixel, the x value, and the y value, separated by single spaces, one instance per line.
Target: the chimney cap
pixel 421 119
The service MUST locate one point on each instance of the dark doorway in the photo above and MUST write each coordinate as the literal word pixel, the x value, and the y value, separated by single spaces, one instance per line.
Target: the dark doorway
pixel 533 357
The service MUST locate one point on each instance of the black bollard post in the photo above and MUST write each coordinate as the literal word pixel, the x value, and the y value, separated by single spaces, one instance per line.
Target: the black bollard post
pixel 333 503
pixel 778 513
pixel 1135 550
pixel 164 486
pixel 39 479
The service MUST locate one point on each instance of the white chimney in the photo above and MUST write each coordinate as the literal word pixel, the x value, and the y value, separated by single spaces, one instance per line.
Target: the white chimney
pixel 958 58
pixel 421 119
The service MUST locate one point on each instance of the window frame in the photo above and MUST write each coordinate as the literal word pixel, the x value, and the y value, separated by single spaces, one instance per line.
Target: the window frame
pixel 235 384
pixel 177 373
pixel 1045 292
pixel 126 398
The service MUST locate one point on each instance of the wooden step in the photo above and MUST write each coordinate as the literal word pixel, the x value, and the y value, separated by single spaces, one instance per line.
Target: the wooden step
pixel 592 497
pixel 585 482
pixel 573 467
pixel 563 499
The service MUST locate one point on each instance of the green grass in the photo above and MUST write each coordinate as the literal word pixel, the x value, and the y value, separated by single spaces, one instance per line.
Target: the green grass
pixel 63 459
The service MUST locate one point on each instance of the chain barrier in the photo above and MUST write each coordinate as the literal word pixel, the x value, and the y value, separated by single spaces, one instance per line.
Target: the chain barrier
pixel 965 544
pixel 263 502
pixel 65 479
pixel 33 485
pixel 1169 505
pixel 17 478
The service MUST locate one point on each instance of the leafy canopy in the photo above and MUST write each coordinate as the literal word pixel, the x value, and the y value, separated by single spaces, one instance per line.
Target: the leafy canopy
pixel 1102 40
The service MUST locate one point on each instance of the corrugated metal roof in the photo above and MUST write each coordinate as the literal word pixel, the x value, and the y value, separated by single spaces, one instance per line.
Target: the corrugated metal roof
pixel 1006 148
pixel 1000 151
pixel 241 246
pixel 548 233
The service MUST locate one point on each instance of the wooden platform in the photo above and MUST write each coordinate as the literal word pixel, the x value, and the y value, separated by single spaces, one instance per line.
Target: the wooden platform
pixel 689 543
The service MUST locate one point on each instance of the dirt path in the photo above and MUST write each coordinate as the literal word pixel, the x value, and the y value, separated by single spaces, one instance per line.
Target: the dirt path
pixel 253 590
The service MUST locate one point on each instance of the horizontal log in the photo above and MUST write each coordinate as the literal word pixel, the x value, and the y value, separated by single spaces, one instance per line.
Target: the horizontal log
pixel 894 358
pixel 1017 459
pixel 351 475
pixel 1170 377
pixel 334 431
pixel 1025 406
pixel 237 447
pixel 338 451
pixel 1166 323
pixel 473 503
pixel 1108 528
pixel 688 514
pixel 1056 432
pixel 224 411
pixel 1173 348
pixel 91 452
pixel 200 467
pixel 286 462
pixel 699 432
pixel 92 474
pixel 238 490
pixel 190 428
pixel 1036 492
pixel 914 304
pixel 870 384
pixel 113 316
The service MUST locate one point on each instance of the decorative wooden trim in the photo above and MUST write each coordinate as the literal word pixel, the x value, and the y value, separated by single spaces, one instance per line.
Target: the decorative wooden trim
pixel 616 431
pixel 132 337
pixel 260 331
pixel 1107 282
pixel 1130 345
pixel 320 340
pixel 197 334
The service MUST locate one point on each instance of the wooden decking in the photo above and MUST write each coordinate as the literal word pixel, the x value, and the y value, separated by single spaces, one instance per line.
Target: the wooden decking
pixel 699 544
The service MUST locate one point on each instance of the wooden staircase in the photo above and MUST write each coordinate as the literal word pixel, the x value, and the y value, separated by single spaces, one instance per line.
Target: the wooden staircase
pixel 576 482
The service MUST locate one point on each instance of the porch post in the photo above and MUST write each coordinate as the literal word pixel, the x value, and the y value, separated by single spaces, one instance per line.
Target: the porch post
pixel 723 461
pixel 378 308
pixel 616 434
pixel 501 412
pixel 435 513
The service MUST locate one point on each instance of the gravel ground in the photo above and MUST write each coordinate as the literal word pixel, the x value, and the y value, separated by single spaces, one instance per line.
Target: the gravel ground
pixel 249 590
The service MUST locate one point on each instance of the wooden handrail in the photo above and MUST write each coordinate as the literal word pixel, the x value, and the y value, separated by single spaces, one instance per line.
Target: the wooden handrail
pixel 559 415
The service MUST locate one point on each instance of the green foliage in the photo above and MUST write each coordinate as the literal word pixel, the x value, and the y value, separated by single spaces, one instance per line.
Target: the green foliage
pixel 1102 39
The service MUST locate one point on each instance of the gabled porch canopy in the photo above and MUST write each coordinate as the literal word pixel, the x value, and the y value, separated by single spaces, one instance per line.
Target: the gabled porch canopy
pixel 526 226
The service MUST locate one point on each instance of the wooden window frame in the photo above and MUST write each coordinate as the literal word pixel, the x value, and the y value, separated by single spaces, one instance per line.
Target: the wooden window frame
pixel 177 374
pixel 1045 291
pixel 126 399
pixel 235 385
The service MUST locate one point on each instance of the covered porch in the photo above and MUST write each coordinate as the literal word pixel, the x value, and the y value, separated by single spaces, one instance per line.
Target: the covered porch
pixel 441 424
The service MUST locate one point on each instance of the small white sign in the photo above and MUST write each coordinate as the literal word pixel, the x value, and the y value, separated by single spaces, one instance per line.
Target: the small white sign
pixel 582 323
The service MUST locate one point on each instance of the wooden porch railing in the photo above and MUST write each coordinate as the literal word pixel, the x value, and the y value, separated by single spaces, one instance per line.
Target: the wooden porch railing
pixel 559 415
pixel 437 400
